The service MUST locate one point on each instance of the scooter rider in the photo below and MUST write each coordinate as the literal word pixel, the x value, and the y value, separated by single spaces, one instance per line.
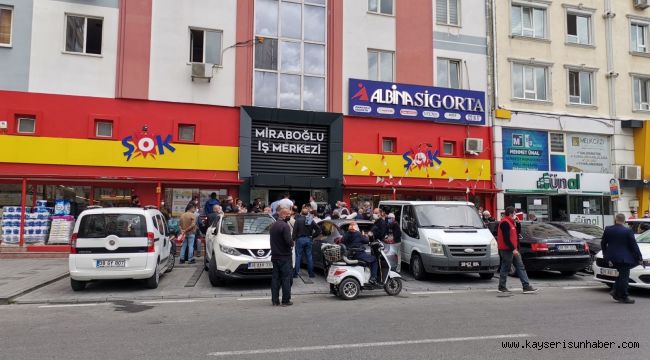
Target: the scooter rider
pixel 353 239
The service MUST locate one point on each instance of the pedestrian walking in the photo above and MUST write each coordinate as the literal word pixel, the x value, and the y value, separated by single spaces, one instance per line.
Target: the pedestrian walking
pixel 281 250
pixel 188 229
pixel 621 250
pixel 305 230
pixel 508 242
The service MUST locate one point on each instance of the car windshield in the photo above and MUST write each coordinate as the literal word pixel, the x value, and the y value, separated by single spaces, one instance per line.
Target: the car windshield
pixel 587 231
pixel 246 224
pixel 644 238
pixel 95 226
pixel 544 231
pixel 448 216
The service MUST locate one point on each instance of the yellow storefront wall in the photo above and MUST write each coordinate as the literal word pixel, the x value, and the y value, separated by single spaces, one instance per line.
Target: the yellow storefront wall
pixel 642 157
pixel 361 164
pixel 87 152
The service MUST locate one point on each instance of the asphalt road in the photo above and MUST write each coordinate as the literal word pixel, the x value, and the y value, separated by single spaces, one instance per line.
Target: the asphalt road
pixel 426 325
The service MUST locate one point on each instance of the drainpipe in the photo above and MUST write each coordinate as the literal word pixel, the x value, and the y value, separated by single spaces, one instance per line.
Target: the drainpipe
pixel 493 94
pixel 611 74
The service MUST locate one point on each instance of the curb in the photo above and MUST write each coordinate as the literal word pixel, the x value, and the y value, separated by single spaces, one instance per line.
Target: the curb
pixel 10 299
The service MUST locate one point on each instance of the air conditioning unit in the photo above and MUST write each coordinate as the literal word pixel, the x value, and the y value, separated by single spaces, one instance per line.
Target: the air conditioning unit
pixel 629 172
pixel 202 71
pixel 473 145
pixel 641 4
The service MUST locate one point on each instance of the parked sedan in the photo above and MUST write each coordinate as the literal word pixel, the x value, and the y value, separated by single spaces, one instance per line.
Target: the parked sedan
pixel 592 234
pixel 639 276
pixel 333 230
pixel 546 247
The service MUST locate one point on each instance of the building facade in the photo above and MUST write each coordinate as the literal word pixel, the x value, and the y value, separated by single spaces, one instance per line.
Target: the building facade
pixel 566 106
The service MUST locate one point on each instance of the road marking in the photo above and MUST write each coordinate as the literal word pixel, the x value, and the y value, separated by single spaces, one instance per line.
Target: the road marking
pixel 71 305
pixel 168 301
pixel 365 345
pixel 253 298
pixel 435 292
pixel 581 287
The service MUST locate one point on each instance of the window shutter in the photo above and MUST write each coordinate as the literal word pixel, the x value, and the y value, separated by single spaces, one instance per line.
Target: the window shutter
pixel 453 12
pixel 441 11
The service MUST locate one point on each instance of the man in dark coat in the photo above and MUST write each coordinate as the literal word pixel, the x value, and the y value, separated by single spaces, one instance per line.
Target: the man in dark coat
pixel 620 248
pixel 353 239
pixel 281 253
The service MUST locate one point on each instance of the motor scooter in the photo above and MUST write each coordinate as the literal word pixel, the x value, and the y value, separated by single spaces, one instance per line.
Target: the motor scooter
pixel 348 277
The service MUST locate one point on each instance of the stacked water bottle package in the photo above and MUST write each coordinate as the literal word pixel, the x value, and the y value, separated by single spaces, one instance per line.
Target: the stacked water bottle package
pixel 37 224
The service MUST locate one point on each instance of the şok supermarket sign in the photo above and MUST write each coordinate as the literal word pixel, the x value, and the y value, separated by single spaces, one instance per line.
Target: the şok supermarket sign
pixel 392 100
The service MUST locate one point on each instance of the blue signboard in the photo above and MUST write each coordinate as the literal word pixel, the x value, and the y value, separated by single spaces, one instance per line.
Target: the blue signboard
pixel 414 102
pixel 525 150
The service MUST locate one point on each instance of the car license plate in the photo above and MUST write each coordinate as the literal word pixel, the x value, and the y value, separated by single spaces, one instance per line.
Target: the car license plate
pixel 566 247
pixel 609 272
pixel 110 263
pixel 469 264
pixel 260 265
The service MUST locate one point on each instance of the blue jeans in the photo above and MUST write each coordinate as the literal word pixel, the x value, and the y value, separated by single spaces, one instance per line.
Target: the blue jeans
pixel 622 281
pixel 507 258
pixel 281 278
pixel 188 242
pixel 303 244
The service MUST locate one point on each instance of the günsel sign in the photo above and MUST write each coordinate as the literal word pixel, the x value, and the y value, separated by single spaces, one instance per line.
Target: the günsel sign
pixel 289 149
pixel 550 181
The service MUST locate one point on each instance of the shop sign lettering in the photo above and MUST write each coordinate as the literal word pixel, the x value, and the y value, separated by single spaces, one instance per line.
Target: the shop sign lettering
pixel 586 219
pixel 145 144
pixel 267 141
pixel 386 99
pixel 550 181
pixel 421 158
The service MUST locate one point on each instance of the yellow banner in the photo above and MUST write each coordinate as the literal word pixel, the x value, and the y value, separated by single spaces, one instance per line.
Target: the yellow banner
pixel 88 152
pixel 361 164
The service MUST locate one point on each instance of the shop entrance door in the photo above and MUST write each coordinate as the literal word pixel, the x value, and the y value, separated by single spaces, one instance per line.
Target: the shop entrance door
pixel 299 197
pixel 559 208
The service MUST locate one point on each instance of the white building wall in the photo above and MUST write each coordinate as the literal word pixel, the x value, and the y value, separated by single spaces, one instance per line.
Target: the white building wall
pixel 363 31
pixel 170 69
pixel 52 70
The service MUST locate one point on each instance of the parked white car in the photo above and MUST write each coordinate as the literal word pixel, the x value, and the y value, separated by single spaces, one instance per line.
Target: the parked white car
pixel 119 243
pixel 639 276
pixel 238 246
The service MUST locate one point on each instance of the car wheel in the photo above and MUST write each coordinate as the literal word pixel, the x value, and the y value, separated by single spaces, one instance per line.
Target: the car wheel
pixel 154 280
pixel 171 262
pixel 77 285
pixel 568 273
pixel 393 287
pixel 417 269
pixel 349 289
pixel 215 280
pixel 486 276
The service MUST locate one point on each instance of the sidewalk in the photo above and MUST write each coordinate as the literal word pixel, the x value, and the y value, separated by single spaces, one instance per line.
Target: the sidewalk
pixel 20 276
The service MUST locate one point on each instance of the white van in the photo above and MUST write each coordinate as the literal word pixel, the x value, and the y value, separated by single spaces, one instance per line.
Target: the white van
pixel 444 237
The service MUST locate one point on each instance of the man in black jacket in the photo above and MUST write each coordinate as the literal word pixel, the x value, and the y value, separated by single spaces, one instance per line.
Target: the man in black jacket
pixel 281 250
pixel 620 248
pixel 305 230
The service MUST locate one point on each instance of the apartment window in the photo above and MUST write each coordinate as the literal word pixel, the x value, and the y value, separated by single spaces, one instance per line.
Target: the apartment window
pixel 580 87
pixel 205 46
pixel 528 21
pixel 388 145
pixel 380 65
pixel 186 132
pixel 290 50
pixel 381 6
pixel 448 12
pixel 578 29
pixel 26 125
pixel 448 147
pixel 448 73
pixel 641 91
pixel 557 143
pixel 83 34
pixel 529 82
pixel 6 16
pixel 639 37
pixel 104 128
